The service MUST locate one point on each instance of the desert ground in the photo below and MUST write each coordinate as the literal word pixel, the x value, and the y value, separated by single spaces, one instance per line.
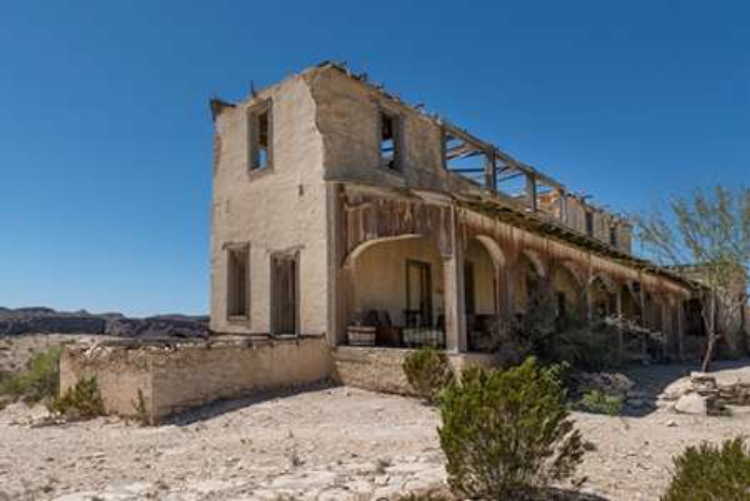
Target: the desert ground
pixel 323 443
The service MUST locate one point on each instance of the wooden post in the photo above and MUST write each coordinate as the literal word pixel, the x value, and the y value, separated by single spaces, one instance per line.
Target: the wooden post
pixel 681 328
pixel 490 171
pixel 531 192
pixel 620 340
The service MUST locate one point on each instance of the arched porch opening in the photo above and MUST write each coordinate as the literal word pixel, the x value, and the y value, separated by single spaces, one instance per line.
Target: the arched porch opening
pixel 567 292
pixel 528 283
pixel 395 289
pixel 631 308
pixel 485 293
pixel 602 296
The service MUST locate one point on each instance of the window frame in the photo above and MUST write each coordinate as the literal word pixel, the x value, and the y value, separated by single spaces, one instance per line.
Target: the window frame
pixel 233 315
pixel 396 164
pixel 254 113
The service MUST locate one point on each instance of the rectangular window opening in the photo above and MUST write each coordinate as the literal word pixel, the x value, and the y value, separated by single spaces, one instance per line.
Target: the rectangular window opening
pixel 590 224
pixel 613 235
pixel 237 283
pixel 389 140
pixel 260 138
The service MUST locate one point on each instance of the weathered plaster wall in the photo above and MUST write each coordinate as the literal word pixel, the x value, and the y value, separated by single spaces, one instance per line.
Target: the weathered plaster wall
pixel 348 119
pixel 176 377
pixel 192 376
pixel 119 371
pixel 281 208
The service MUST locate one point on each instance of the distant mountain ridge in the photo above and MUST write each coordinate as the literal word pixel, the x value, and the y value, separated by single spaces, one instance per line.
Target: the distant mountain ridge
pixel 43 320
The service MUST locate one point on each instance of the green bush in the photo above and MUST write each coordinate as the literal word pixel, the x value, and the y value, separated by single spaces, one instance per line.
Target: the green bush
pixel 507 433
pixel 598 402
pixel 709 472
pixel 81 401
pixel 428 372
pixel 38 382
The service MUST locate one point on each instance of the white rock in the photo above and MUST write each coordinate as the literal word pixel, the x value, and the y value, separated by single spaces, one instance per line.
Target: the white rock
pixel 692 403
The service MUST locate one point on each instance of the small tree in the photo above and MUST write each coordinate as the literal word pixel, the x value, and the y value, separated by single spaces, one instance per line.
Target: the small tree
pixel 708 473
pixel 506 433
pixel 711 229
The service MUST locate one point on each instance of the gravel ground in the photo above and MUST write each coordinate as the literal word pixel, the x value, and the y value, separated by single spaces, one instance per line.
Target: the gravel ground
pixel 324 443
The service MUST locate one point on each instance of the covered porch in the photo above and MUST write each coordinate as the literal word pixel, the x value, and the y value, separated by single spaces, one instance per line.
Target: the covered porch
pixel 421 270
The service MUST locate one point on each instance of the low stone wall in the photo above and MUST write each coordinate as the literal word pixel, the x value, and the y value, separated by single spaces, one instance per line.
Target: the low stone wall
pixel 173 377
pixel 380 369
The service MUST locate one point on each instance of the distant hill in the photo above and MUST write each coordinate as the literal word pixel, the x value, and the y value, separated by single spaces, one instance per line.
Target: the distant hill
pixel 43 320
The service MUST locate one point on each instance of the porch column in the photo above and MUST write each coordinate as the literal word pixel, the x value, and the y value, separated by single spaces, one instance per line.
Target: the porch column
pixel 620 318
pixel 681 328
pixel 454 294
pixel 455 309
pixel 502 307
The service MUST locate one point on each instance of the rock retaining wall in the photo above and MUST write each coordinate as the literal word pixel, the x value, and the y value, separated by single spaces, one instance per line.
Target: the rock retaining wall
pixel 380 369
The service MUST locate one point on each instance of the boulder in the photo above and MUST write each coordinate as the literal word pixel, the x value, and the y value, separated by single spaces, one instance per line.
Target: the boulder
pixel 692 403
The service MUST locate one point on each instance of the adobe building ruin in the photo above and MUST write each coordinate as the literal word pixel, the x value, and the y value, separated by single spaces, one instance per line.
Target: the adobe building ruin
pixel 337 205
pixel 347 223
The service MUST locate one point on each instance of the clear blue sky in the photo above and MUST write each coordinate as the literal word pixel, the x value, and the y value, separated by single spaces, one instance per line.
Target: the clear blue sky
pixel 106 137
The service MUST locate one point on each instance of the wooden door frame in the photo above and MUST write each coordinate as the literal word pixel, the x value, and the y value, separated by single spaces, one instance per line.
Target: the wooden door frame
pixel 428 267
pixel 293 256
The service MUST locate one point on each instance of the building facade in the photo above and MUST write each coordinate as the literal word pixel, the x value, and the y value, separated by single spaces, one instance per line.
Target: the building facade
pixel 338 206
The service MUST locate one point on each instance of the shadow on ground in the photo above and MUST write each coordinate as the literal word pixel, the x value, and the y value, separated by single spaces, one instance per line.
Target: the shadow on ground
pixel 567 495
pixel 220 407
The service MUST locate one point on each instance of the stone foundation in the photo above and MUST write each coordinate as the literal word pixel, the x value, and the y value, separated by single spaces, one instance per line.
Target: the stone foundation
pixel 173 377
pixel 380 369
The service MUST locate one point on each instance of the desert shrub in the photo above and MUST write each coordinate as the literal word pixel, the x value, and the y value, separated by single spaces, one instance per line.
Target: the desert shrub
pixel 599 402
pixel 38 382
pixel 81 401
pixel 709 472
pixel 428 372
pixel 506 433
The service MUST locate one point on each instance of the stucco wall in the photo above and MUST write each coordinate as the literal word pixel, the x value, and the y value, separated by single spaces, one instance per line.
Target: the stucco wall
pixel 279 209
pixel 194 375
pixel 120 372
pixel 348 119
pixel 173 378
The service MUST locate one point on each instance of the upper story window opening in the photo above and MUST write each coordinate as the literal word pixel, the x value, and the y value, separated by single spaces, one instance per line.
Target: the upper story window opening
pixel 589 223
pixel 390 144
pixel 260 137
pixel 613 235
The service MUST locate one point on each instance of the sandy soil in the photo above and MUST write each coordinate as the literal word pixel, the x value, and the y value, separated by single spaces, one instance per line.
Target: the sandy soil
pixel 324 443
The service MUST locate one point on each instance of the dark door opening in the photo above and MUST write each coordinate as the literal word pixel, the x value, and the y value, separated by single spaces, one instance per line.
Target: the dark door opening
pixel 469 288
pixel 285 294
pixel 418 294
